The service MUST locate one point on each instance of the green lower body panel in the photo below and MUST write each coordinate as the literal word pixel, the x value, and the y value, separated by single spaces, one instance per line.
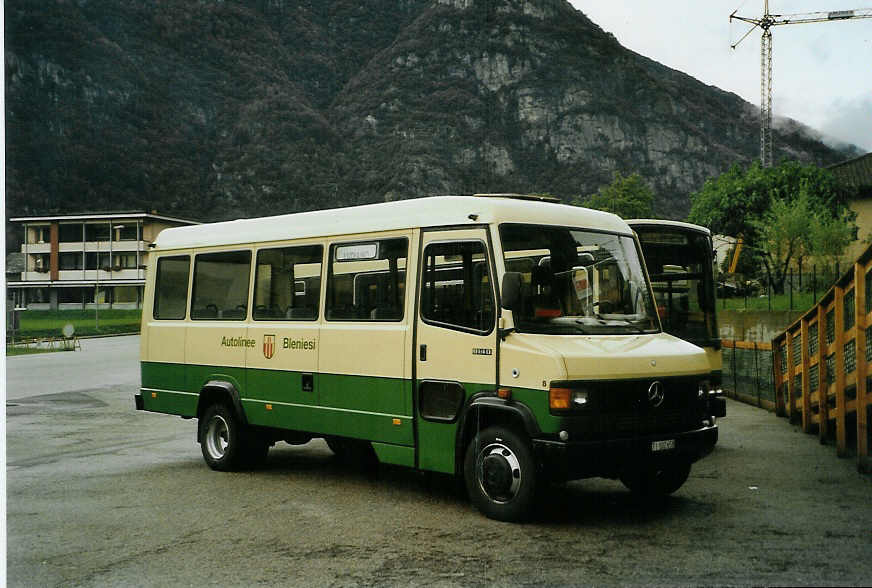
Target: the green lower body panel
pixel 395 454
pixel 360 407
pixel 325 420
pixel 369 408
pixel 170 402
pixel 437 439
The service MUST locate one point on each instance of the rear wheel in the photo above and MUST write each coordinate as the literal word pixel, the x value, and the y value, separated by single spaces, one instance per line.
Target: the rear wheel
pixel 500 474
pixel 658 481
pixel 226 443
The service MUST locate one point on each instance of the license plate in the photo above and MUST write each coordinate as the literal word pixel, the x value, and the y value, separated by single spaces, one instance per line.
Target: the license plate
pixel 664 445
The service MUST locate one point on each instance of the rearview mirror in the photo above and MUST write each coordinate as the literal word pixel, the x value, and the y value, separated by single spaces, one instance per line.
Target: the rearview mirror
pixel 510 295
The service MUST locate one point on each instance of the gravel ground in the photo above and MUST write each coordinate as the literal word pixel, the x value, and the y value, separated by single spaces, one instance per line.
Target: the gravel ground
pixel 102 495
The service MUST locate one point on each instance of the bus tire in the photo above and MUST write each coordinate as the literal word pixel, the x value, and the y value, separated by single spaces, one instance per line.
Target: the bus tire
pixel 656 482
pixel 226 443
pixel 500 474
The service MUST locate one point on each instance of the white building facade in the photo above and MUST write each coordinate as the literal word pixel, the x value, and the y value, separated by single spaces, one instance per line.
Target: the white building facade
pixel 79 261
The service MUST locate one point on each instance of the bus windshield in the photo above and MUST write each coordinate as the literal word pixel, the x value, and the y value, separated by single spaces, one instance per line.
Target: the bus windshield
pixel 577 281
pixel 680 264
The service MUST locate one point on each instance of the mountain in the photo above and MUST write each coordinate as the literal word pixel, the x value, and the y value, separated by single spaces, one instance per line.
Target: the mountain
pixel 219 109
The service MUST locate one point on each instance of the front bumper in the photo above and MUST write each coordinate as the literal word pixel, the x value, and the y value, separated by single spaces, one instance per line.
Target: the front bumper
pixel 571 460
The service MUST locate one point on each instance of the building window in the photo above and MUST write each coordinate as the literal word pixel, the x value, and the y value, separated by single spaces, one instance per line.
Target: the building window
pixel 75 295
pixel 171 287
pixel 38 234
pixel 96 232
pixel 37 295
pixel 70 233
pixel 127 294
pixel 287 283
pixel 41 262
pixel 124 261
pixel 70 261
pixel 126 232
pixel 221 285
pixel 92 263
pixel 366 281
pixel 456 290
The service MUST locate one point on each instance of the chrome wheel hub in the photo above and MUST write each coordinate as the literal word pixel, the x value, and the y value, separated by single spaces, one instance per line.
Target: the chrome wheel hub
pixel 217 437
pixel 499 472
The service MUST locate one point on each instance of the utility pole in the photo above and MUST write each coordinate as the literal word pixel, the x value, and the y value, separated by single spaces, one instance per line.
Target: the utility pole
pixel 766 22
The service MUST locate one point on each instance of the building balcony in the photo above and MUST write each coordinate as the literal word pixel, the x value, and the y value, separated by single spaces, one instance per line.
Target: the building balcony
pixel 32 248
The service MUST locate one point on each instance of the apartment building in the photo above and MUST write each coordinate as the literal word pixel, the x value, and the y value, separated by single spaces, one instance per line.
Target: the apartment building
pixel 79 261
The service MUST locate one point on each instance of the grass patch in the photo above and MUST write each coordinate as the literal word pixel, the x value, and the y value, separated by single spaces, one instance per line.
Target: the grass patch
pixel 49 323
pixel 21 350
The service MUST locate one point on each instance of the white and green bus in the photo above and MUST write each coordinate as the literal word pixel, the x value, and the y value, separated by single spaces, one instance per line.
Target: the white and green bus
pixel 502 339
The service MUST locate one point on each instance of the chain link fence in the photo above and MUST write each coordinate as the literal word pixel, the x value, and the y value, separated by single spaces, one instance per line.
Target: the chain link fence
pixel 747 373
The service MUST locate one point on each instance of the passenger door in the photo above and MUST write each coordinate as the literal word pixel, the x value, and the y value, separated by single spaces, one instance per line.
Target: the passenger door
pixel 455 349
pixel 364 385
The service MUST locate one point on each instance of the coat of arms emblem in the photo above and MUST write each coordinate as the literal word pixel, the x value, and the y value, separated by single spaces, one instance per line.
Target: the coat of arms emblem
pixel 269 346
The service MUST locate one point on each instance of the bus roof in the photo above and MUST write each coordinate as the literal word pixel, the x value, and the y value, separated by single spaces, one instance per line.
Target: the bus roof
pixel 432 211
pixel 656 222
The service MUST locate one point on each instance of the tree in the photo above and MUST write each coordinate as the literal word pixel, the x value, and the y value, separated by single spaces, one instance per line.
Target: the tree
pixel 783 213
pixel 783 234
pixel 830 236
pixel 627 196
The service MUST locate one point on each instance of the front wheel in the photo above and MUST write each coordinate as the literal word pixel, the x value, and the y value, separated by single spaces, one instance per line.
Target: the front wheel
pixel 500 474
pixel 226 443
pixel 658 481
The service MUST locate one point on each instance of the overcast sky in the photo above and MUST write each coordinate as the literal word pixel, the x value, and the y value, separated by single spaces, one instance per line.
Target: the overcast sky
pixel 822 72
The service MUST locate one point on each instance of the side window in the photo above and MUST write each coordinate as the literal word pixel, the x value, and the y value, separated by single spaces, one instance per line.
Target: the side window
pixel 171 287
pixel 366 281
pixel 221 285
pixel 456 290
pixel 287 283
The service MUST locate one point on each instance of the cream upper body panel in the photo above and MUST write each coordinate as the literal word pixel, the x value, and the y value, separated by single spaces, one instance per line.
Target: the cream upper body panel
pixel 714 358
pixel 598 357
pixel 433 211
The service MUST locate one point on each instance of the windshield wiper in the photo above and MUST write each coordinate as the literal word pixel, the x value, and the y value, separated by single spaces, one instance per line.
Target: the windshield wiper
pixel 616 322
pixel 582 326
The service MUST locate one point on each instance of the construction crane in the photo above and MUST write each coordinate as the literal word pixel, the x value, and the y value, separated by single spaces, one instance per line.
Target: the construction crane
pixel 766 22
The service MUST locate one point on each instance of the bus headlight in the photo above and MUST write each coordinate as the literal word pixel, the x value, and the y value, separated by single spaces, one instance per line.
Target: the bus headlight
pixel 579 398
pixel 564 399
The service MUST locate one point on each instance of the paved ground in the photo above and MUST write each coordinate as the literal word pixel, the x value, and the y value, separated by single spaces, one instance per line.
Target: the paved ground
pixel 102 495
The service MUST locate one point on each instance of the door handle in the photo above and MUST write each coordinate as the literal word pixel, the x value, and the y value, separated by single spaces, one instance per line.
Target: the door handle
pixel 423 352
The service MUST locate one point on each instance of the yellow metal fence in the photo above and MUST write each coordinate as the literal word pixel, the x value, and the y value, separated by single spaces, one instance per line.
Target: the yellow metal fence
pixel 821 364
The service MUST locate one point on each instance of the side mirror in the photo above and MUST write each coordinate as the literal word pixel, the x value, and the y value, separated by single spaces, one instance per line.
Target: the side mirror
pixel 510 295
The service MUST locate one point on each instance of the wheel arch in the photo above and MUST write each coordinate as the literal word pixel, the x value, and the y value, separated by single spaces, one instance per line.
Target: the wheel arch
pixel 219 391
pixel 483 411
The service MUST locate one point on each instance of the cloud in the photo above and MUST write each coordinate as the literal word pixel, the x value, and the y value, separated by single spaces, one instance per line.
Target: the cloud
pixel 850 119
